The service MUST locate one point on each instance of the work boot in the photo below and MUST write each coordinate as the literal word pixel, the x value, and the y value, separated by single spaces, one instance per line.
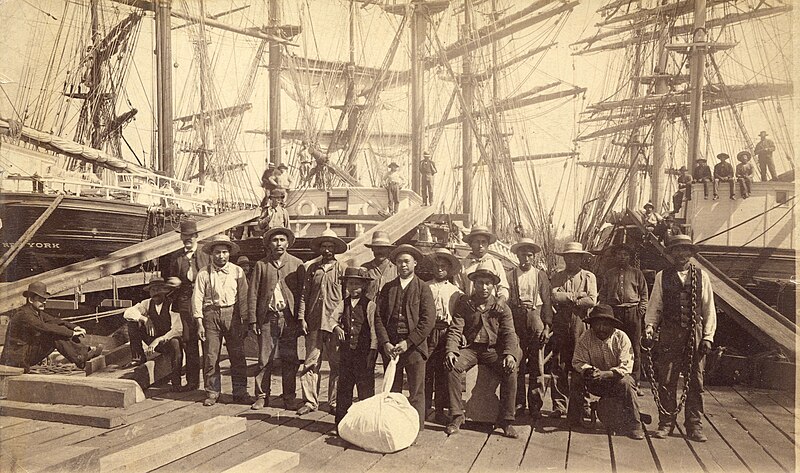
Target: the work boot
pixel 439 417
pixel 662 432
pixel 557 414
pixel 211 400
pixel 636 432
pixel 696 435
pixel 304 409
pixel 259 404
pixel 455 424
pixel 508 430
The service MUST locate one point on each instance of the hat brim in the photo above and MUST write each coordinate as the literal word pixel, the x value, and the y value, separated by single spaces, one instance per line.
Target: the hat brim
pixel 360 278
pixel 282 230
pixel 492 238
pixel 406 250
pixel 45 295
pixel 455 264
pixel 339 246
pixel 574 252
pixel 208 246
pixel 484 273
pixel 517 246
pixel 380 245
pixel 596 318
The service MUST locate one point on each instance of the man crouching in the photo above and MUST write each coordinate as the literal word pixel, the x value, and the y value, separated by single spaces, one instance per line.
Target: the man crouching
pixel 486 327
pixel 604 355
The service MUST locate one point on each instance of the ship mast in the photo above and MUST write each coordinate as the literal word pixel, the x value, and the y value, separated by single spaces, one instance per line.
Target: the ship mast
pixel 165 161
pixel 657 181
pixel 498 150
pixel 697 67
pixel 275 84
pixel 418 26
pixel 467 92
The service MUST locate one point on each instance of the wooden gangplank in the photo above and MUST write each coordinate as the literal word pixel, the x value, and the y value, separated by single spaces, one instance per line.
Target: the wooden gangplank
pixel 74 275
pixel 396 226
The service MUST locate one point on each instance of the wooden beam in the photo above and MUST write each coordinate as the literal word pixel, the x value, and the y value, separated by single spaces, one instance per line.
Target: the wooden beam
pixel 12 252
pixel 274 461
pixel 531 157
pixel 67 458
pixel 103 417
pixel 522 57
pixel 74 390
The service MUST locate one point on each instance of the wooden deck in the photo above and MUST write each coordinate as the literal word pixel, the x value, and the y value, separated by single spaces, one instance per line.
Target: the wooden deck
pixel 748 430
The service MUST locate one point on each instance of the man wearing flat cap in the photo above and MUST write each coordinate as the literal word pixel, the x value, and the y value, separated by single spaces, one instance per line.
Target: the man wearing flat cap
pixel 723 172
pixel 381 269
pixel 604 358
pixel 154 322
pixel 273 301
pixel 33 334
pixel 682 319
pixel 322 292
pixel 479 239
pixel 221 311
pixel 763 152
pixel 573 294
pixel 275 214
pixel 482 332
pixel 533 317
pixel 406 316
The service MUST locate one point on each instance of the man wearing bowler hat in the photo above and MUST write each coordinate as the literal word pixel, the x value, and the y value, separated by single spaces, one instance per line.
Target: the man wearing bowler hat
pixel 322 292
pixel 393 182
pixel 185 264
pixel 723 172
pixel 154 322
pixel 274 301
pixel 381 270
pixel 681 319
pixel 604 358
pixel 221 311
pixel 33 334
pixel 533 317
pixel 406 316
pixel 479 239
pixel 763 151
pixel 573 294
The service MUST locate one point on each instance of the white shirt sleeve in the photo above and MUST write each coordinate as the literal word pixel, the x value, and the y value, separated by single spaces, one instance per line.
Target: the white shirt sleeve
pixel 176 326
pixel 138 312
pixel 373 337
pixel 503 287
pixel 199 293
pixel 332 319
pixel 709 311
pixel 580 357
pixel 625 354
pixel 655 305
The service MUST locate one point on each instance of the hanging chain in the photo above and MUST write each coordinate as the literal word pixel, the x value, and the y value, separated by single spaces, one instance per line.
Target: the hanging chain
pixel 689 349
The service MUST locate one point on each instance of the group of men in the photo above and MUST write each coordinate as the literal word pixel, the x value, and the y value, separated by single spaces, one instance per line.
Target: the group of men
pixel 471 312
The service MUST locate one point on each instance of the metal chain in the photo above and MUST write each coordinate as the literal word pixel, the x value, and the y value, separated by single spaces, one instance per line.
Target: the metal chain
pixel 647 361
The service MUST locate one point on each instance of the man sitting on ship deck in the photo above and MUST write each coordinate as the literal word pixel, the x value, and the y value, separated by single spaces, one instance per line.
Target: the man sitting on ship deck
pixel 723 172
pixel 33 334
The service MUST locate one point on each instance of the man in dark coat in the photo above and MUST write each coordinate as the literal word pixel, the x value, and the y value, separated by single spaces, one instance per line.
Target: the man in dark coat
pixel 723 172
pixel 482 332
pixel 406 316
pixel 33 334
pixel 702 174
pixel 273 301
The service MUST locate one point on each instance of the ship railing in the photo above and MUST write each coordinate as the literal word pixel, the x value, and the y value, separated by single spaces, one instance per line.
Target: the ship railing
pixel 162 182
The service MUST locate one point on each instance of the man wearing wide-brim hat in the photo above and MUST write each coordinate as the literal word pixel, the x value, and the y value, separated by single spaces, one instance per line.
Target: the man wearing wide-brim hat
pixel 220 310
pixel 406 316
pixel 185 264
pixel 381 269
pixel 702 173
pixel 482 332
pixel 479 239
pixel 154 322
pixel 533 316
pixel 608 376
pixel 681 310
pixel 393 182
pixel 445 296
pixel 744 173
pixel 684 191
pixel 650 218
pixel 763 150
pixel 723 172
pixel 322 292
pixel 574 293
pixel 273 299
pixel 33 334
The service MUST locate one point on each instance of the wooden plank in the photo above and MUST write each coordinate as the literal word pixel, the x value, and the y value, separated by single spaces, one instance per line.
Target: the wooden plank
pixel 63 459
pixel 715 455
pixel 119 356
pixel 318 453
pixel 767 435
pixel 459 451
pixel 162 450
pixel 736 437
pixel 21 429
pixel 20 445
pixel 588 451
pixel 352 460
pixel 152 371
pixel 6 421
pixel 771 410
pixel 6 373
pixel 74 390
pixel 501 453
pixel 631 455
pixel 274 461
pixel 428 444
pixel 547 446
pixel 786 401
pixel 106 417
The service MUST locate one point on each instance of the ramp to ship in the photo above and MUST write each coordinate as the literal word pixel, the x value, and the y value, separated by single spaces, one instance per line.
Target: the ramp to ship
pixel 74 275
pixel 396 226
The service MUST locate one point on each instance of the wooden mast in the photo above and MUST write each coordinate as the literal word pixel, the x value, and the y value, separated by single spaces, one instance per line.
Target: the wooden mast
pixel 95 95
pixel 657 181
pixel 418 26
pixel 203 151
pixel 498 148
pixel 164 86
pixel 697 67
pixel 467 90
pixel 274 85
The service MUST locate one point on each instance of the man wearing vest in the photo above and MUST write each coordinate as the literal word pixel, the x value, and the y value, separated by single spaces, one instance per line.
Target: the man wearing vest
pixel 381 270
pixel 533 317
pixel 479 239
pixel 352 323
pixel 322 292
pixel 482 332
pixel 185 265
pixel 574 293
pixel 220 309
pixel 274 300
pixel 681 312
pixel 153 322
pixel 406 316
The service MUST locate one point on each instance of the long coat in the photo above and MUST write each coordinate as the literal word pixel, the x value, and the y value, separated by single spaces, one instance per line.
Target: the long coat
pixel 496 318
pixel 419 309
pixel 26 331
pixel 266 274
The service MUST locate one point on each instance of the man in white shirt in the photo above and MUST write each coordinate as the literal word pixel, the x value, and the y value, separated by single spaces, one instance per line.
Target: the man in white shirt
pixel 479 239
pixel 153 322
pixel 681 312
pixel 604 358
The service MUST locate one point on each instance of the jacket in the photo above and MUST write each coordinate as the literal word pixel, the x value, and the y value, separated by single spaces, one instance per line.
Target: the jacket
pixel 496 318
pixel 266 275
pixel 26 329
pixel 420 311
pixel 179 267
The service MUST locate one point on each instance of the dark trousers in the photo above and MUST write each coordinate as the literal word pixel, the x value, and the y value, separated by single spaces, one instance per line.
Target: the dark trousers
pixel 427 190
pixel 190 344
pixel 529 326
pixel 744 186
pixel 27 356
pixel 357 369
pixel 764 163
pixel 632 326
pixel 677 201
pixel 705 187
pixel 220 324
pixel 623 389
pixel 435 373
pixel 730 182
pixel 567 329
pixel 482 354
pixel 668 360
pixel 393 190
pixel 277 340
pixel 413 363
pixel 171 348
